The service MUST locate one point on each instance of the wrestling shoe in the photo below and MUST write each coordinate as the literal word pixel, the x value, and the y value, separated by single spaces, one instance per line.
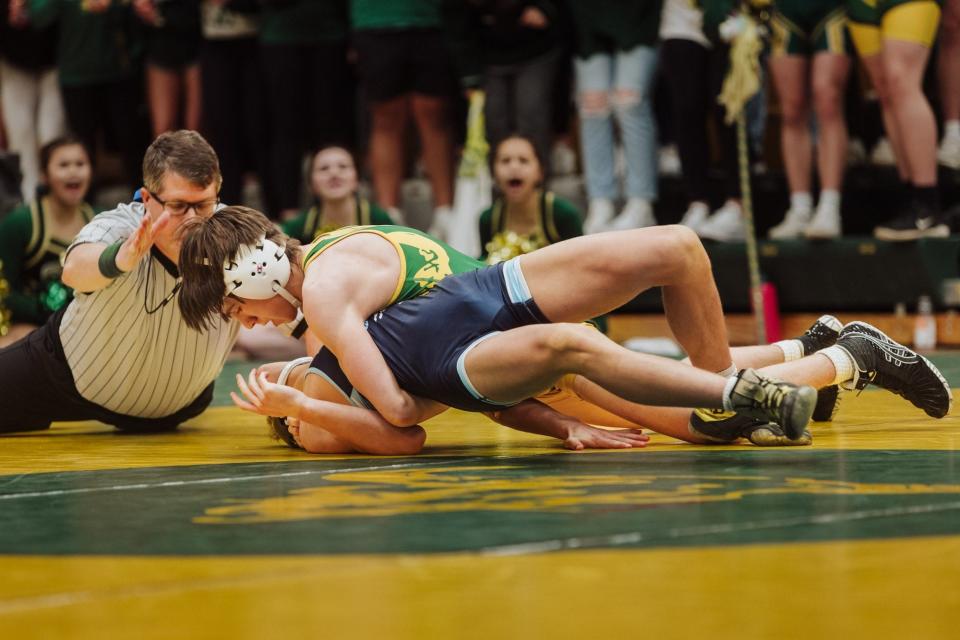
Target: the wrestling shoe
pixel 880 361
pixel 828 403
pixel 783 403
pixel 822 334
pixel 725 427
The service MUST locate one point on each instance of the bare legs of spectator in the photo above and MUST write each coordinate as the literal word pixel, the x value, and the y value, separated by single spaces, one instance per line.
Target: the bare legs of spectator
pixel 948 68
pixel 874 66
pixel 432 116
pixel 387 128
pixel 169 91
pixel 898 74
pixel 33 115
pixel 795 78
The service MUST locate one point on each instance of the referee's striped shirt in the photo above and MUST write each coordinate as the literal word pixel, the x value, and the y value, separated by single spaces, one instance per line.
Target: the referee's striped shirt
pixel 129 352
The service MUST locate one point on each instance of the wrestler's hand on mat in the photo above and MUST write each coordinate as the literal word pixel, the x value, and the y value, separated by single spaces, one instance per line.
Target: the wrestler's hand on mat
pixel 136 246
pixel 268 399
pixel 583 436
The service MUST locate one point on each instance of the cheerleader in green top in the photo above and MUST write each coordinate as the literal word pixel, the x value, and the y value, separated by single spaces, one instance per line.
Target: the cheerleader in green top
pixel 334 183
pixel 34 237
pixel 525 217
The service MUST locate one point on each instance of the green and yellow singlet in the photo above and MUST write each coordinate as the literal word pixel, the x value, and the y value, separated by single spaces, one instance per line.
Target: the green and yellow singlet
pixel 424 260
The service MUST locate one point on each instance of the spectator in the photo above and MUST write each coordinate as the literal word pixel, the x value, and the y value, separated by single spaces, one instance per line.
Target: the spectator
pixel 310 87
pixel 403 64
pixel 525 216
pixel 685 59
pixel 948 64
pixel 615 65
pixel 688 73
pixel 894 40
pixel 29 91
pixel 231 95
pixel 98 60
pixel 34 237
pixel 334 184
pixel 511 49
pixel 810 63
pixel 172 61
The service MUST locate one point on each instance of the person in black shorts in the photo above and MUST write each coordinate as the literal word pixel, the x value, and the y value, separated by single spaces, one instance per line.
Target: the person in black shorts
pixel 405 69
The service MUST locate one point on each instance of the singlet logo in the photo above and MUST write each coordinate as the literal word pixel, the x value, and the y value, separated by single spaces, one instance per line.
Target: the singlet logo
pixel 435 260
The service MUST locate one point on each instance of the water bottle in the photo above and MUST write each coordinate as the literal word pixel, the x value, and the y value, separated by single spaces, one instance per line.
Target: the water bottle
pixel 925 326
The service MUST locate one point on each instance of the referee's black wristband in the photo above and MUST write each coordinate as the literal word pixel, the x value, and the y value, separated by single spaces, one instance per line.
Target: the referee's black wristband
pixel 108 261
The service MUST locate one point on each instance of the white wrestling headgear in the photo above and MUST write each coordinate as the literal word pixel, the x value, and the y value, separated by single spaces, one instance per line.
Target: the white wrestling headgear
pixel 259 272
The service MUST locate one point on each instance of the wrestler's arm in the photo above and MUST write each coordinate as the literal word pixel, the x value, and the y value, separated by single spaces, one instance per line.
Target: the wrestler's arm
pixel 338 322
pixel 326 426
pixel 532 416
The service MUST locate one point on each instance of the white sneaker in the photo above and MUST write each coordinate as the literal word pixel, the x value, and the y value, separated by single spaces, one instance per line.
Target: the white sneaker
pixel 856 152
pixel 669 161
pixel 442 219
pixel 397 216
pixel 695 216
pixel 638 213
pixel 563 159
pixel 599 215
pixel 792 225
pixel 824 225
pixel 882 154
pixel 949 153
pixel 725 225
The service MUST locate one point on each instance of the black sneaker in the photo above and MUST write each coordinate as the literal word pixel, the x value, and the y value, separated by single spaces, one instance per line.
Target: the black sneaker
pixel 913 225
pixel 782 403
pixel 822 334
pixel 828 403
pixel 890 365
pixel 726 427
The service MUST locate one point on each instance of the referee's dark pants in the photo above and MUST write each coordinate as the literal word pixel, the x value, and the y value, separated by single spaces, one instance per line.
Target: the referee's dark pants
pixel 37 388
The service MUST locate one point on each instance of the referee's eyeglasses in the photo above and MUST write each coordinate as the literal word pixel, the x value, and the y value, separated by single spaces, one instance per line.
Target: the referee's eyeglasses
pixel 204 208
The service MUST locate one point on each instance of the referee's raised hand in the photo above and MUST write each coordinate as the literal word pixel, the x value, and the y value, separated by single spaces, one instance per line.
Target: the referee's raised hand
pixel 137 245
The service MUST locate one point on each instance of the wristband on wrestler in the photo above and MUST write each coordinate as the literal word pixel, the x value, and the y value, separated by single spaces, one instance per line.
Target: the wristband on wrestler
pixel 108 261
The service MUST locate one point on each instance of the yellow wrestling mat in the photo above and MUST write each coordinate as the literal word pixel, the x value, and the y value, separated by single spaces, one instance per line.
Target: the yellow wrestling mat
pixel 216 531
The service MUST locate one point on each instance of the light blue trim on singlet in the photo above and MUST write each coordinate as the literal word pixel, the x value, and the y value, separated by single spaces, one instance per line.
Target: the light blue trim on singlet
pixel 517 287
pixel 354 398
pixel 462 372
pixel 518 292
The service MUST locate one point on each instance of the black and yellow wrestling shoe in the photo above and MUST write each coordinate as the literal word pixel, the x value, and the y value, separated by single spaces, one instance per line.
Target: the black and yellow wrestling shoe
pixel 822 334
pixel 788 405
pixel 880 361
pixel 726 427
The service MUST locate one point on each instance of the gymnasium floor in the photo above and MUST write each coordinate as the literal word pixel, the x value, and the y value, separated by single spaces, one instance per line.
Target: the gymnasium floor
pixel 216 531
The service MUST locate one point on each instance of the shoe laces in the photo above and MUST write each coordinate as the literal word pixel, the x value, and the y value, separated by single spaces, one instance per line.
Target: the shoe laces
pixel 773 394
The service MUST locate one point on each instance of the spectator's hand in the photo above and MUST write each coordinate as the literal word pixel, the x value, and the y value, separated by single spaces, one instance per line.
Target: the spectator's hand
pixel 533 18
pixel 147 10
pixel 18 16
pixel 136 246
pixel 95 6
pixel 583 436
